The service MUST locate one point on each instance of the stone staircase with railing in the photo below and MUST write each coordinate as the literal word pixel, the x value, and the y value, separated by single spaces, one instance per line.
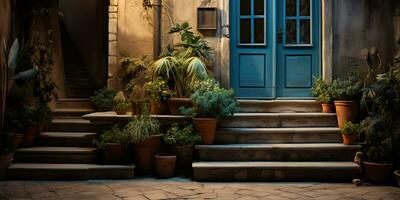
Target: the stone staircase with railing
pixel 65 150
pixel 279 140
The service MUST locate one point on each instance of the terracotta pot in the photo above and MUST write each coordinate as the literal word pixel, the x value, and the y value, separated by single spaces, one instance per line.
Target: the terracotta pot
pixel 144 153
pixel 378 173
pixel 5 162
pixel 159 108
pixel 165 165
pixel 206 128
pixel 176 103
pixel 114 153
pixel 137 107
pixel 350 139
pixel 397 176
pixel 328 108
pixel 19 138
pixel 347 111
pixel 42 127
pixel 29 136
pixel 120 112
pixel 184 159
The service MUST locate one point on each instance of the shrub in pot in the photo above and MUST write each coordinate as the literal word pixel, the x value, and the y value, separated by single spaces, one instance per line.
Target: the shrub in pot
pixel 208 106
pixel 159 94
pixel 350 133
pixel 103 99
pixel 112 143
pixel 382 126
pixel 183 65
pixel 321 90
pixel 120 104
pixel 18 120
pixel 183 137
pixel 143 132
pixel 43 116
pixel 347 93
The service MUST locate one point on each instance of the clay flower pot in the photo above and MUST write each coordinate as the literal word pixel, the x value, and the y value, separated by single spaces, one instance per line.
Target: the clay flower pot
pixel 184 159
pixel 165 165
pixel 350 139
pixel 29 136
pixel 347 111
pixel 176 103
pixel 120 112
pixel 397 176
pixel 5 162
pixel 18 139
pixel 114 153
pixel 159 108
pixel 206 128
pixel 328 108
pixel 144 153
pixel 378 173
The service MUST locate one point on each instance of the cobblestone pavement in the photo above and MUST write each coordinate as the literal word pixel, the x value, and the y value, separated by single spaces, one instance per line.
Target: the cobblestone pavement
pixel 178 188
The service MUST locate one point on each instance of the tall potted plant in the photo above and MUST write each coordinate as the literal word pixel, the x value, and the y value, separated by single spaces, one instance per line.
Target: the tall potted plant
pixel 112 143
pixel 382 128
pixel 321 90
pixel 143 133
pixel 120 104
pixel 42 116
pixel 346 94
pixel 183 65
pixel 183 137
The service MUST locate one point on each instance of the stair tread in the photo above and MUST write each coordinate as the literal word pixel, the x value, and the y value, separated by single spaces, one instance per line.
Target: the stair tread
pixel 71 120
pixel 274 164
pixel 285 145
pixel 68 134
pixel 277 101
pixel 280 129
pixel 283 114
pixel 73 99
pixel 66 110
pixel 63 166
pixel 57 150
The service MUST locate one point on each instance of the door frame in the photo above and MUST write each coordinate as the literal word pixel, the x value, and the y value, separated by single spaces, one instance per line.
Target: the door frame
pixel 326 41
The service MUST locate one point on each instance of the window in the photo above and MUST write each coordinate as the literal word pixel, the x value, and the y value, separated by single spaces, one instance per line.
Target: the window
pixel 298 22
pixel 252 22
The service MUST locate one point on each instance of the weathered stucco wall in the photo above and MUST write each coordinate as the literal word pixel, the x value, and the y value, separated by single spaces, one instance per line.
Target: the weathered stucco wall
pixel 362 24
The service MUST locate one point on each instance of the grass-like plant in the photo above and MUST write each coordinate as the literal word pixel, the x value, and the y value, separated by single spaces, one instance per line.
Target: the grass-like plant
pixel 180 134
pixel 140 128
pixel 120 103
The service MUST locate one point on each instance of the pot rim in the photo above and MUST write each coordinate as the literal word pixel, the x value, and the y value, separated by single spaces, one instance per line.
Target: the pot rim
pixel 204 118
pixel 165 155
pixel 179 99
pixel 380 164
pixel 344 102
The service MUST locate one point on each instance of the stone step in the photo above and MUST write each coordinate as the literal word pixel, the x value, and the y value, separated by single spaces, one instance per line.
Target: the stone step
pixel 278 135
pixel 71 112
pixel 67 103
pixel 275 120
pixel 56 155
pixel 79 93
pixel 278 152
pixel 70 125
pixel 32 171
pixel 66 139
pixel 275 171
pixel 278 106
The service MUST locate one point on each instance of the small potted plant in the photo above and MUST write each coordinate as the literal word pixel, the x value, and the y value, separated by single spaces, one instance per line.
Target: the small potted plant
pixel 143 132
pixel 103 100
pixel 120 104
pixel 350 133
pixel 210 104
pixel 346 94
pixel 159 95
pixel 165 164
pixel 112 143
pixel 321 90
pixel 32 129
pixel 183 137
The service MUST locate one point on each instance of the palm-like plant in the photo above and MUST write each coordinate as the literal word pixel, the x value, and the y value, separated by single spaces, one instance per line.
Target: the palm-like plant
pixel 186 63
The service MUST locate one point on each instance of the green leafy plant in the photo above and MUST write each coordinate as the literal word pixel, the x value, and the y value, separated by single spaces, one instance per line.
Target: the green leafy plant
pixel 351 129
pixel 349 89
pixel 103 99
pixel 114 135
pixel 186 63
pixel 140 128
pixel 120 103
pixel 157 90
pixel 180 134
pixel 381 100
pixel 43 114
pixel 19 119
pixel 322 91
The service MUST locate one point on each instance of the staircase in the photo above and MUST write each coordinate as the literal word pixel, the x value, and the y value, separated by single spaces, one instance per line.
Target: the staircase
pixel 280 140
pixel 65 151
pixel 79 84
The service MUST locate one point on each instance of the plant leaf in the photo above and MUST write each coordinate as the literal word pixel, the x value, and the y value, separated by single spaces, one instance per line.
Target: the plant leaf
pixel 13 54
pixel 26 75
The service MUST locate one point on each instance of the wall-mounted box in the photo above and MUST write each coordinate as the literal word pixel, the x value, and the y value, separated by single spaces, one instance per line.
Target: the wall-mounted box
pixel 207 18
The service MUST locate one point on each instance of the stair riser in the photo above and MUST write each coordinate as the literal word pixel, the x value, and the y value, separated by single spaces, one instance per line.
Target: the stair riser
pixel 65 142
pixel 277 154
pixel 270 174
pixel 78 174
pixel 55 158
pixel 71 127
pixel 279 121
pixel 69 114
pixel 279 107
pixel 270 138
pixel 73 105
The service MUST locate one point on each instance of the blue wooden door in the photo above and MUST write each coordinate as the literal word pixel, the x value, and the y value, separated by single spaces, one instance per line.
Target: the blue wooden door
pixel 274 47
pixel 298 47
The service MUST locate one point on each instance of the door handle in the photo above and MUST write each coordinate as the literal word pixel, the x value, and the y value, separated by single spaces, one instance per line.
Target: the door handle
pixel 279 35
